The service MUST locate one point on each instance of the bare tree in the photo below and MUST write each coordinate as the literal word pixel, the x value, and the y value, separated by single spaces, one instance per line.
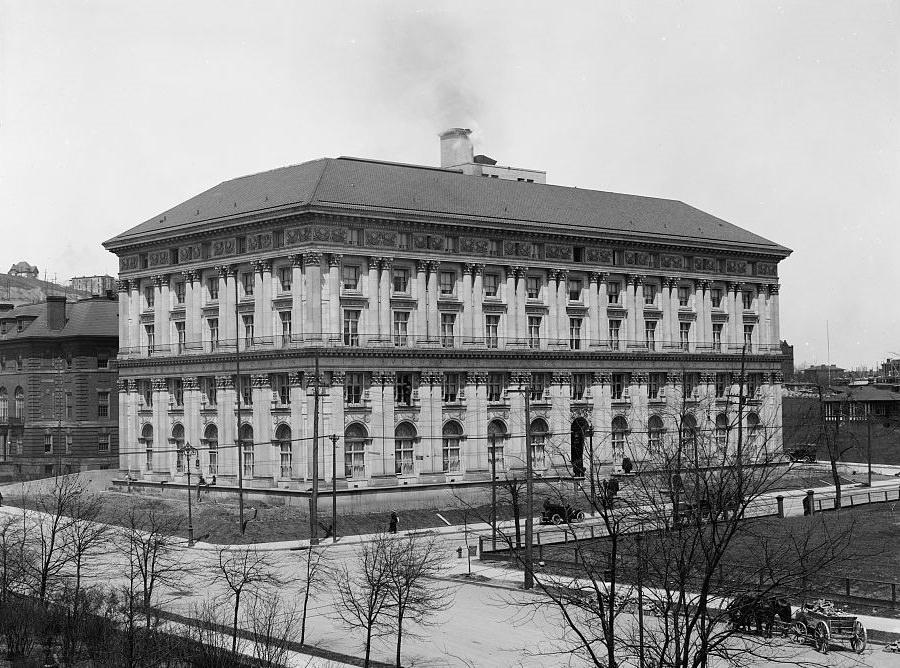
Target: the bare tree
pixel 210 647
pixel 271 620
pixel 12 566
pixel 512 487
pixel 363 589
pixel 414 595
pixel 243 571
pixel 314 569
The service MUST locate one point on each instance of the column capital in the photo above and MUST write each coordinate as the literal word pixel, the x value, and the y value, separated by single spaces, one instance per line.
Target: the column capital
pixel 673 378
pixel 296 259
pixel 161 280
pixel 433 266
pixel 639 378
pixel 334 259
pixel 295 379
pixel 190 383
pixel 778 377
pixel 159 384
pixel 262 266
pixel 670 281
pixel 562 275
pixel 338 377
pixel 189 275
pixel 520 378
pixel 477 269
pixel 261 381
pixel 773 288
pixel 421 266
pixel 122 285
pixel 704 284
pixel 707 378
pixel 467 267
pixel 122 385
pixel 312 258
pixel 516 270
pixel 386 262
pixel 478 377
pixel 637 279
pixel 561 378
pixel 735 286
pixel 225 270
pixel 373 262
pixel 224 382
pixel 602 378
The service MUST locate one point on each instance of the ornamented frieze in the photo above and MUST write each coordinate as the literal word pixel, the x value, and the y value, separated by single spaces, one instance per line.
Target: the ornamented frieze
pixel 190 253
pixel 671 261
pixel 766 269
pixel 704 264
pixel 129 263
pixel 638 259
pixel 736 266
pixel 474 245
pixel 517 249
pixel 295 235
pixel 405 416
pixel 428 242
pixel 557 252
pixel 599 255
pixel 224 247
pixel 259 242
pixel 159 258
pixel 386 238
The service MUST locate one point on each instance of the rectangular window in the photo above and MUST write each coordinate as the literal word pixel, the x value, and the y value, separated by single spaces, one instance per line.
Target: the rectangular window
pixel 286 460
pixel 176 391
pixel 212 289
pixel 748 335
pixel 575 286
pixel 403 456
pixel 538 385
pixel 723 383
pixel 448 321
pixel 578 254
pixel 650 333
pixel 649 294
pixel 619 386
pixel 68 441
pixel 355 458
pixel 491 285
pixel 102 361
pixel 575 333
pixel 179 292
pixel 717 336
pixel 248 330
pixel 285 278
pixel 248 281
pixel 208 388
pixel 747 299
pixel 403 388
pixel 684 296
pixel 492 331
pixel 69 408
pixel 451 386
pixel 579 385
pixel 495 248
pixel 180 336
pixel 103 443
pixel 450 453
pixel 684 335
pixel 401 281
pixel 691 383
pixel 656 385
pixel 212 326
pixel 401 328
pixel 537 251
pixel 150 332
pixel 614 327
pixel 248 461
pixel 715 295
pixel 353 389
pixel 351 327
pixel 146 390
pixel 356 237
pixel 452 243
pixel 246 391
pixel 533 287
pixel 495 387
pixel 149 296
pixel 403 240
pixel 448 283
pixel 613 292
pixel 48 444
pixel 286 327
pixel 103 404
pixel 282 388
pixel 350 277
pixel 534 331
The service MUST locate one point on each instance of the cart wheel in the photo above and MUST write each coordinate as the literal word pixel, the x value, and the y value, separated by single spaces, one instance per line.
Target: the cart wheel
pixel 858 641
pixel 798 632
pixel 556 519
pixel 822 639
pixel 579 515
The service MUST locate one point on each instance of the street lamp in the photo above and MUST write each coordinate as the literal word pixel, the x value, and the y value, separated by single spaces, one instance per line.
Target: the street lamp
pixel 188 451
pixel 590 434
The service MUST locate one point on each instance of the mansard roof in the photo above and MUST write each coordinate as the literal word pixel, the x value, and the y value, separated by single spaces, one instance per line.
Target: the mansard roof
pixel 359 187
pixel 88 317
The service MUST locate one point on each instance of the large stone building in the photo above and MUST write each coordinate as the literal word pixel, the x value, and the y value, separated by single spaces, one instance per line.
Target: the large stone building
pixel 432 300
pixel 58 405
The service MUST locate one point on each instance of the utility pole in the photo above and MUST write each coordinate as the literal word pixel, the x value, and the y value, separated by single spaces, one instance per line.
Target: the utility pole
pixel 493 492
pixel 590 434
pixel 639 538
pixel 238 388
pixel 334 439
pixel 59 400
pixel 529 494
pixel 869 446
pixel 314 498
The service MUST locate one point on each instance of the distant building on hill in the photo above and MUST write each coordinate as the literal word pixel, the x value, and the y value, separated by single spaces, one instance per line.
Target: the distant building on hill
pixel 787 361
pixel 821 374
pixel 95 285
pixel 24 269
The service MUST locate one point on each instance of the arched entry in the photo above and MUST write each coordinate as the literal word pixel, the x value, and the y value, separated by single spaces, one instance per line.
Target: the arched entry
pixel 580 433
pixel 496 440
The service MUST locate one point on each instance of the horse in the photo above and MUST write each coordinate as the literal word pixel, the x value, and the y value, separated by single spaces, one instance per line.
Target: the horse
pixel 741 611
pixel 767 609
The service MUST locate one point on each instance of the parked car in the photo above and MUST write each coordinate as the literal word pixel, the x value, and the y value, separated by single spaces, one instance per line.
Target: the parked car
pixel 805 453
pixel 556 513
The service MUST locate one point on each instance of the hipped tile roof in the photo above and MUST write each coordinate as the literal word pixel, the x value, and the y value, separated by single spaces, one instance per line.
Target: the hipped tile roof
pixel 89 317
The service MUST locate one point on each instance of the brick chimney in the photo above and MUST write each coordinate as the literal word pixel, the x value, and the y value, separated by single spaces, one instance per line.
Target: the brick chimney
pixel 56 312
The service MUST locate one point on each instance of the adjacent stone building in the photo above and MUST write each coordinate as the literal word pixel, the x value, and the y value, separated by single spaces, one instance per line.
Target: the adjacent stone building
pixel 58 404
pixel 432 301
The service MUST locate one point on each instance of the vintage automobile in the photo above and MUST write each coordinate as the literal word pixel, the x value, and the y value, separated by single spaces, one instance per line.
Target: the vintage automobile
pixel 556 513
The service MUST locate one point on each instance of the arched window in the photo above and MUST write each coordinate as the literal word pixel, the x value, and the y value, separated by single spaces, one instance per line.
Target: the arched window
pixel 246 438
pixel 450 448
pixel 355 438
pixel 655 431
pixel 579 434
pixel 619 430
pixel 211 436
pixel 753 428
pixel 147 440
pixel 4 404
pixel 689 436
pixel 496 439
pixel 539 433
pixel 721 431
pixel 178 444
pixel 20 403
pixel 404 437
pixel 283 440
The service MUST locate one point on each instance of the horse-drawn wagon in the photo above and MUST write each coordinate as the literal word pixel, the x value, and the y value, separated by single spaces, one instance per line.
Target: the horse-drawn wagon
pixel 824 624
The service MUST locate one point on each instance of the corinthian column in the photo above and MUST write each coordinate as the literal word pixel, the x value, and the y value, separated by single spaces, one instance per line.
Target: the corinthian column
pixel 333 328
pixel 312 260
pixel 477 301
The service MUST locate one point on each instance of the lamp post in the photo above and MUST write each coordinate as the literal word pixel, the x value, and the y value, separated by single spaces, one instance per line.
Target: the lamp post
pixel 639 539
pixel 590 435
pixel 494 492
pixel 188 451
pixel 334 440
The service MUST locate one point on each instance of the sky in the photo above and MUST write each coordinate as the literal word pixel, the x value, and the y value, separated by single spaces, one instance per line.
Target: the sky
pixel 779 117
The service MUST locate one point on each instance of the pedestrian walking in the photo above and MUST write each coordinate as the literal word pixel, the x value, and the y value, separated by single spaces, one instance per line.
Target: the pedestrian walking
pixel 200 482
pixel 394 522
pixel 1 498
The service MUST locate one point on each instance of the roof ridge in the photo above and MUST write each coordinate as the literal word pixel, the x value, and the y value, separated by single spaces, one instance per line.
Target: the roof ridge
pixel 315 189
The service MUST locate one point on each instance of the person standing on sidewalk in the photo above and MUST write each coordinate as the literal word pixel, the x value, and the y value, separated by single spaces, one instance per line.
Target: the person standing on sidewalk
pixel 394 521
